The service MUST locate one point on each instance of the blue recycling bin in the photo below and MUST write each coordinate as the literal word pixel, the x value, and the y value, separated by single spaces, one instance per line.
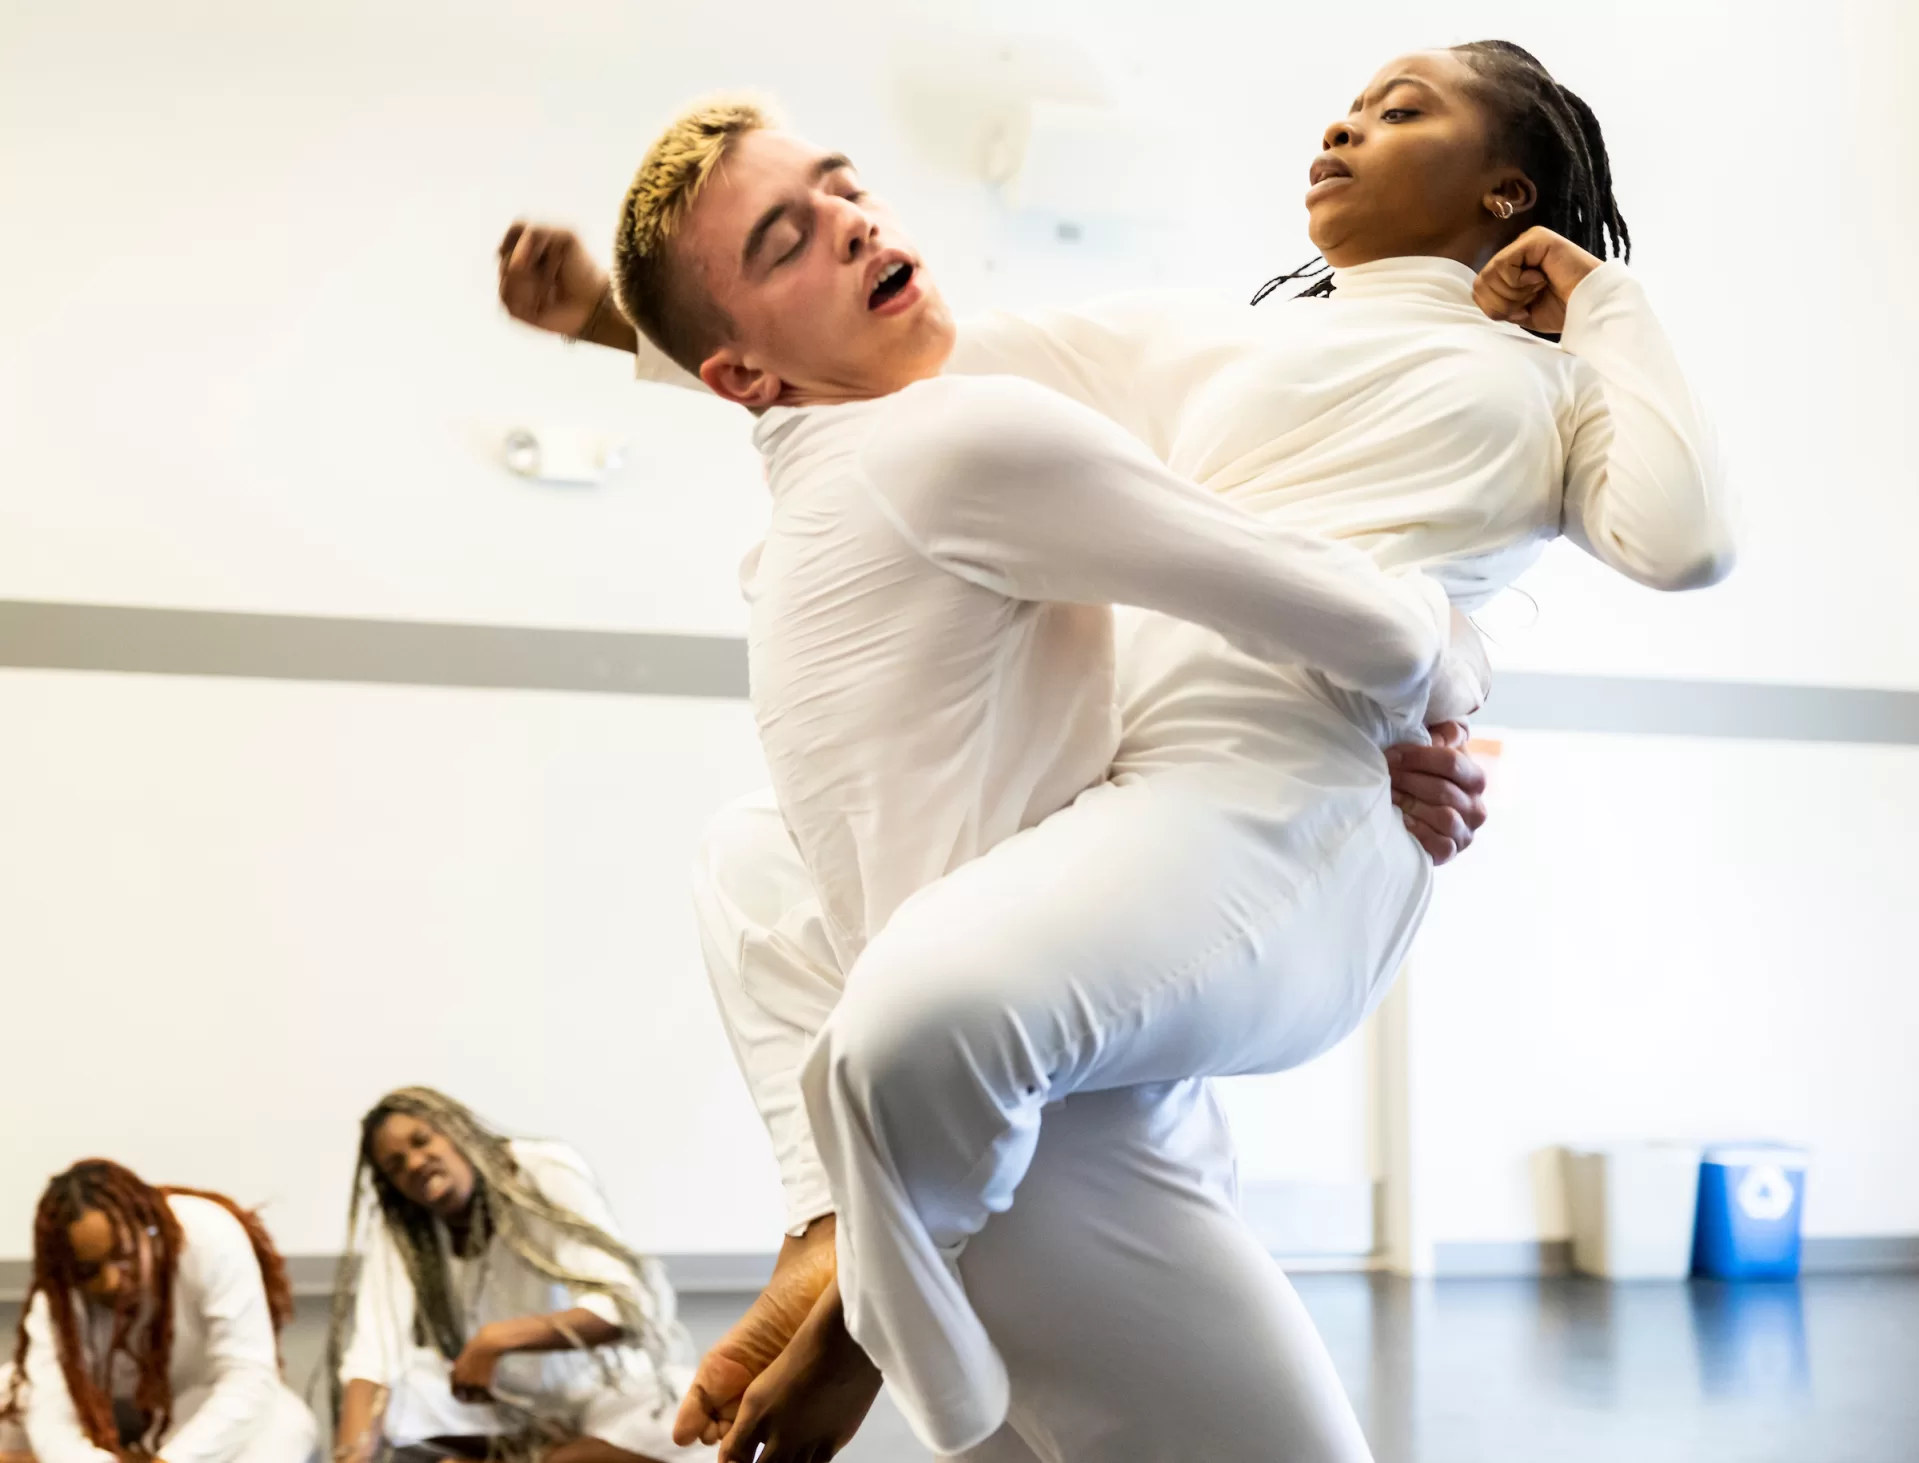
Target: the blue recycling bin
pixel 1751 1198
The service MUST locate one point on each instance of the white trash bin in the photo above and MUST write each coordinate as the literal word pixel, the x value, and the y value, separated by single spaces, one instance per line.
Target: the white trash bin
pixel 1632 1208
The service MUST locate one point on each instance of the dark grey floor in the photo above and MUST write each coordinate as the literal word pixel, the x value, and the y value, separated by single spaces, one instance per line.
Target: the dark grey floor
pixel 1566 1371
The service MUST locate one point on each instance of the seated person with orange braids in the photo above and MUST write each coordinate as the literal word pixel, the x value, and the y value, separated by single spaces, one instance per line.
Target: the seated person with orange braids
pixel 495 1311
pixel 151 1330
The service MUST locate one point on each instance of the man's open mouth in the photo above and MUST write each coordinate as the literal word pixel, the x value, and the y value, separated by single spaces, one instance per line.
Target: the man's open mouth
pixel 894 278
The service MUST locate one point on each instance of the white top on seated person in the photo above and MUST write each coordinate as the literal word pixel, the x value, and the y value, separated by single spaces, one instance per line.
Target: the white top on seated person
pixel 387 1348
pixel 230 1404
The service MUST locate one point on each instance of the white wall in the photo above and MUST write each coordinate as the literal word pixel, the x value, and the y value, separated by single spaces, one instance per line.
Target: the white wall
pixel 258 365
pixel 251 362
pixel 236 912
pixel 1667 938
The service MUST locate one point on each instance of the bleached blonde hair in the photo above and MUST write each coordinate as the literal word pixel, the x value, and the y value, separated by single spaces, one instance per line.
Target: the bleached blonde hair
pixel 658 291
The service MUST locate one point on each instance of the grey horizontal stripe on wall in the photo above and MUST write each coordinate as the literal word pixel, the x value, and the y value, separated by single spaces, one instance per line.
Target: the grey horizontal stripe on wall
pixel 47 636
pixel 725 1274
pixel 83 637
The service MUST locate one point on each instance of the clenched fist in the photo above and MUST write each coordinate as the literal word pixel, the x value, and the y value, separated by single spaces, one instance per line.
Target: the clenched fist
pixel 547 278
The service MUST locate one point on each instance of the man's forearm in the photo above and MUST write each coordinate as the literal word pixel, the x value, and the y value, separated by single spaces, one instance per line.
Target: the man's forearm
pixel 608 327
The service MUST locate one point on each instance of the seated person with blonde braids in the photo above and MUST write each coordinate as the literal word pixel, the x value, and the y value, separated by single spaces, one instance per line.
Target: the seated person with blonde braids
pixel 151 1330
pixel 496 1311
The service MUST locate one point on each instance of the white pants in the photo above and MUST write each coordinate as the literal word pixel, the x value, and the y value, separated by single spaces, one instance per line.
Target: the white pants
pixel 1138 1318
pixel 1154 930
pixel 632 1411
pixel 286 1433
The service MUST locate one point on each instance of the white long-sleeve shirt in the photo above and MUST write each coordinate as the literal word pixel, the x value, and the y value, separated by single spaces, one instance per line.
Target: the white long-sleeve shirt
pixel 223 1368
pixel 1394 416
pixel 499 1286
pixel 931 640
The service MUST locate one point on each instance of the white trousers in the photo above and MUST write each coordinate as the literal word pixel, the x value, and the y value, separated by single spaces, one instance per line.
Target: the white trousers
pixel 631 1411
pixel 1138 1319
pixel 1150 932
pixel 285 1433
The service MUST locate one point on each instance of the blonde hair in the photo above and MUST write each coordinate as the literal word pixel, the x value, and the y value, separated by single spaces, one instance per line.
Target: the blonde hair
pixel 666 301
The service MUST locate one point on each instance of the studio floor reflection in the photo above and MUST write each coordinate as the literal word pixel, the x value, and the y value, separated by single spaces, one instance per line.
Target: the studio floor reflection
pixel 1573 1370
pixel 1559 1370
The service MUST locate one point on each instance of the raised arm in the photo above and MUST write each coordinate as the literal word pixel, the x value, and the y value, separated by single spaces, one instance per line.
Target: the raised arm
pixel 1645 487
pixel 1130 357
pixel 548 280
pixel 1134 358
pixel 1645 490
pixel 1036 498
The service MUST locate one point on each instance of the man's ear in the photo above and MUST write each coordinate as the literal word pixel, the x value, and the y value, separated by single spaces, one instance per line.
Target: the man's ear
pixel 728 376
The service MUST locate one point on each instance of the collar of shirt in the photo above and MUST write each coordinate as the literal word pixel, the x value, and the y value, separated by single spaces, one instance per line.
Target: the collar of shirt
pixel 1410 277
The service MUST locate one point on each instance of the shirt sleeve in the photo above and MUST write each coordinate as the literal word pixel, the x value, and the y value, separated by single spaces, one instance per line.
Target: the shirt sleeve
pixel 1645 487
pixel 52 1426
pixel 1036 498
pixel 774 977
pixel 220 1273
pixel 1134 358
pixel 564 1178
pixel 383 1304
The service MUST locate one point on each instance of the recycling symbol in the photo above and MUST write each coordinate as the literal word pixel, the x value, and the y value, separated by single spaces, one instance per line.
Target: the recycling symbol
pixel 1765 1193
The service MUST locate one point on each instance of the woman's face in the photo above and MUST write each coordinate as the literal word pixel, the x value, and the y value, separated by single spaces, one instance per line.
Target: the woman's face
pixel 423 1165
pixel 1409 170
pixel 106 1262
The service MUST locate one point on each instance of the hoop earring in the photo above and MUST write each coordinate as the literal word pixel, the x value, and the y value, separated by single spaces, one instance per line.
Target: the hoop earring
pixel 1503 209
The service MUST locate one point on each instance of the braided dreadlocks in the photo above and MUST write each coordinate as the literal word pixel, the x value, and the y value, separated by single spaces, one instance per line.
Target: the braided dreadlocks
pixel 506 1205
pixel 1550 134
pixel 143 1314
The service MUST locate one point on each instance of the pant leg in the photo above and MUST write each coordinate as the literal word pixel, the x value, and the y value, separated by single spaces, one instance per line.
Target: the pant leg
pixel 421 1405
pixel 1139 1318
pixel 774 977
pixel 1149 933
pixel 285 1433
pixel 289 1434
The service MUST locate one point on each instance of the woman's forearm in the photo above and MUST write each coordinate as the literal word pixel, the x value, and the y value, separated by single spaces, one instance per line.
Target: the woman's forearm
pixel 361 1409
pixel 558 1331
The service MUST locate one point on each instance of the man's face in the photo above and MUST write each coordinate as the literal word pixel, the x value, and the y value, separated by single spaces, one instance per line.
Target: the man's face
pixel 828 298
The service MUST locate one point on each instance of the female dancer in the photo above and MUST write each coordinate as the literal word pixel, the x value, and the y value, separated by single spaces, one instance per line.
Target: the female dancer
pixel 1237 897
pixel 495 1309
pixel 152 1329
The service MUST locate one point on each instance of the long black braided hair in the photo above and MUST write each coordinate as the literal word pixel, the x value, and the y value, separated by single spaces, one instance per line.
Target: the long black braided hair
pixel 1551 135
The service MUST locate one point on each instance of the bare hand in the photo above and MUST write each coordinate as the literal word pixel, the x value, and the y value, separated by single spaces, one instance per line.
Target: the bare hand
pixel 810 1402
pixel 802 1274
pixel 473 1368
pixel 1440 791
pixel 712 1402
pixel 547 278
pixel 1530 280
